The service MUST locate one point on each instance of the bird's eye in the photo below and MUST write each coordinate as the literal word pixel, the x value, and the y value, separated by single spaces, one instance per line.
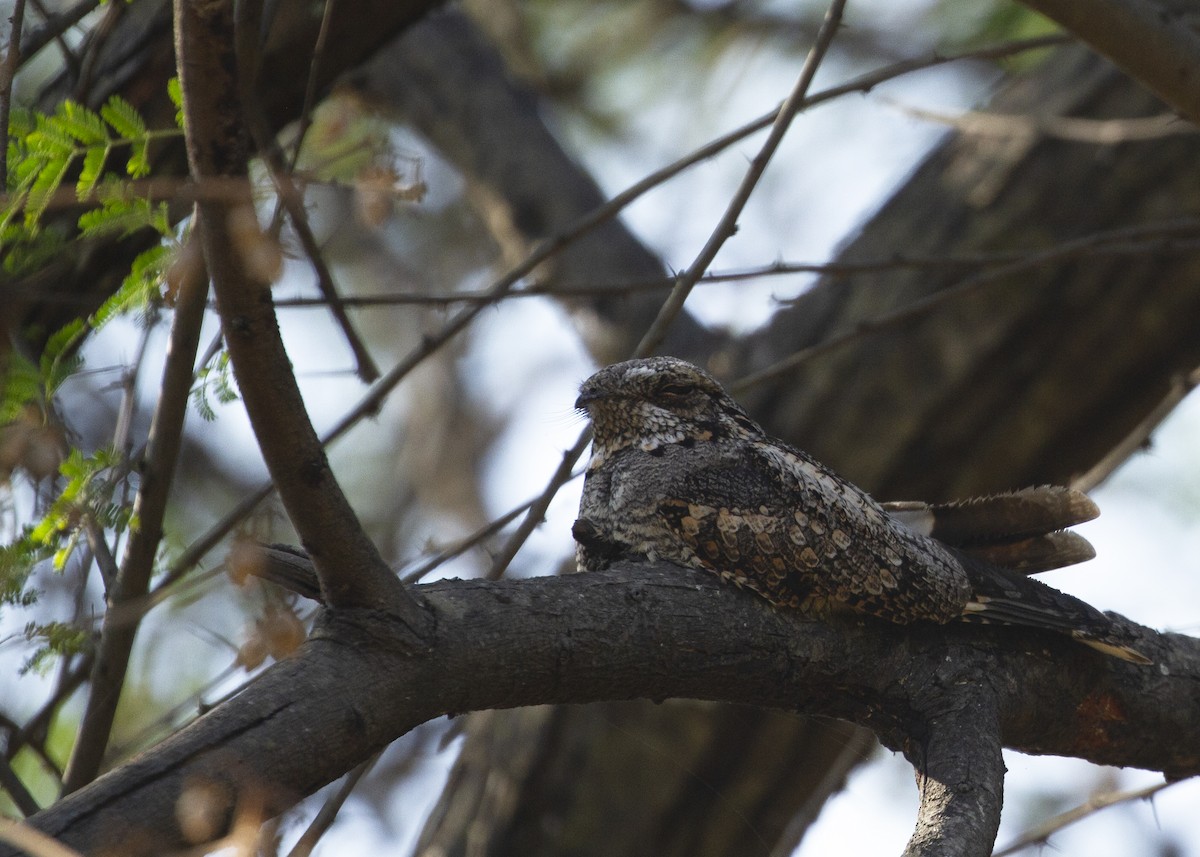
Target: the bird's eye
pixel 674 391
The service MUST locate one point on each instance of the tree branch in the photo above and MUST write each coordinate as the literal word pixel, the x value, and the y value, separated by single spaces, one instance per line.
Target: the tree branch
pixel 960 773
pixel 132 581
pixel 648 632
pixel 351 571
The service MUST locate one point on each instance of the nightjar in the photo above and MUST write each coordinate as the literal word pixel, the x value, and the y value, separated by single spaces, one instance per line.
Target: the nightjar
pixel 679 472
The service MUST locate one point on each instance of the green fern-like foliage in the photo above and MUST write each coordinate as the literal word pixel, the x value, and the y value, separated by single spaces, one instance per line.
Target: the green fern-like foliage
pixel 73 156
pixel 214 381
pixel 105 151
pixel 101 153
pixel 87 499
pixel 46 149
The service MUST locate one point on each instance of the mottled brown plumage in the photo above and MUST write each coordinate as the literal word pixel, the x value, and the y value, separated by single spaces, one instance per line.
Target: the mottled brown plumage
pixel 680 472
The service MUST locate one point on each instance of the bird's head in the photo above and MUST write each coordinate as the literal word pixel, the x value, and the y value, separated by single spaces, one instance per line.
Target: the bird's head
pixel 657 401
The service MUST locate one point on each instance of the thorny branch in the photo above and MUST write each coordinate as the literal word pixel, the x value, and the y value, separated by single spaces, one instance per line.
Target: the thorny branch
pixel 727 225
pixel 1040 834
pixel 55 27
pixel 248 37
pixel 1082 129
pixel 1107 243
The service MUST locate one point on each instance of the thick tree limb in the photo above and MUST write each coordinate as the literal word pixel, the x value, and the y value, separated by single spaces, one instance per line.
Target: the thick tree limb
pixel 1154 41
pixel 960 771
pixel 644 632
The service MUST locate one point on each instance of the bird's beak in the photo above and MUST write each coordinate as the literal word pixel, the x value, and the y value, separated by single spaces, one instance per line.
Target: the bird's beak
pixel 586 397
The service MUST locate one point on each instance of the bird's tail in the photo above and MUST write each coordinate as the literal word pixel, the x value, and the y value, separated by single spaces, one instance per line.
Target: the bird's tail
pixel 1023 530
pixel 1005 597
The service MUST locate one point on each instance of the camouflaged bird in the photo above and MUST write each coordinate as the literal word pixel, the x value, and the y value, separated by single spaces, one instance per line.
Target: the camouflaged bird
pixel 679 472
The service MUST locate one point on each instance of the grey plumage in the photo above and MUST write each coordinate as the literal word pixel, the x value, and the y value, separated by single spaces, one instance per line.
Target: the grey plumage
pixel 680 472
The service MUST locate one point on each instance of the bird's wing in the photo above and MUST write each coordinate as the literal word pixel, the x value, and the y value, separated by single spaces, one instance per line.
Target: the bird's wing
pixel 775 521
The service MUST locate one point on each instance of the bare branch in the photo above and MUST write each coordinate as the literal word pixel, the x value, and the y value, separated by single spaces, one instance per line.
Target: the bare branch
pixel 1042 832
pixel 352 573
pixel 1082 129
pixel 681 634
pixel 248 27
pixel 537 511
pixel 328 814
pixel 133 579
pixel 960 772
pixel 797 99
pixel 1119 242
pixel 54 27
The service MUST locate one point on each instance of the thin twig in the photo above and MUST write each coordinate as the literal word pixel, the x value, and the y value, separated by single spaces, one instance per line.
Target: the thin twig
pixel 900 262
pixel 537 512
pixel 194 704
pixel 310 90
pixel 463 545
pixel 34 731
pixel 8 74
pixel 1080 129
pixel 727 225
pixel 328 813
pixel 54 28
pixel 249 26
pixel 105 561
pixel 1187 229
pixel 1039 834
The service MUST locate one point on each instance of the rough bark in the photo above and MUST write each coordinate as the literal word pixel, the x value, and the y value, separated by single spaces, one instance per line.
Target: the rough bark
pixel 636 631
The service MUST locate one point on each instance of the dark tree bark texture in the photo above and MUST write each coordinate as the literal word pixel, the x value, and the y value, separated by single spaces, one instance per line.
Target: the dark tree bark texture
pixel 639 631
